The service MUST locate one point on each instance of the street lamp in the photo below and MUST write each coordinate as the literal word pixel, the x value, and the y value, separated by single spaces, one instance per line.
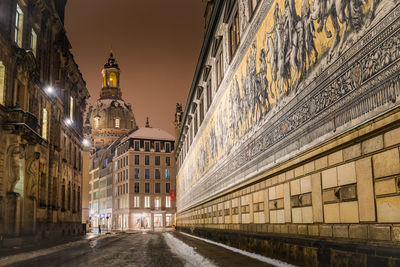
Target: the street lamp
pixel 68 122
pixel 86 143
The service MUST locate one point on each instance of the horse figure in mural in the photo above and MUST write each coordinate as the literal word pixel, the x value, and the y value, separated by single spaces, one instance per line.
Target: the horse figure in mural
pixel 336 10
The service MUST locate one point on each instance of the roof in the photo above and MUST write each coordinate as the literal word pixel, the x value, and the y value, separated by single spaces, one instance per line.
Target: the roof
pixel 149 133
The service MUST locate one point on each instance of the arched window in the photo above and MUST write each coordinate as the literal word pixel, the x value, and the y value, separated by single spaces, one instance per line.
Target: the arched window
pixel 96 122
pixel 112 80
pixel 117 121
pixel 2 82
pixel 44 123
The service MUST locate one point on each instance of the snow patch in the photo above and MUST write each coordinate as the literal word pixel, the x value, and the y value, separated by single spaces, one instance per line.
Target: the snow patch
pixel 271 261
pixel 186 252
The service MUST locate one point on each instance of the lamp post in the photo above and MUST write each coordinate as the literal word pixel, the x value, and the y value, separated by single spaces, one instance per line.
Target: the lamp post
pixel 108 228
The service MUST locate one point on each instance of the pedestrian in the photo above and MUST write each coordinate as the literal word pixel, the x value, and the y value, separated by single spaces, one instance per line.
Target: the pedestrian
pixel 99 229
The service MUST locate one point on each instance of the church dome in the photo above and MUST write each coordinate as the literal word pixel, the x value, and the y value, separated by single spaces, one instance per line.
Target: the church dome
pixel 110 117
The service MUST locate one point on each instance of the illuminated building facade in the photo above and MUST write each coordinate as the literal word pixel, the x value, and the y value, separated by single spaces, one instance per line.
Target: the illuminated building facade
pixel 290 136
pixel 42 99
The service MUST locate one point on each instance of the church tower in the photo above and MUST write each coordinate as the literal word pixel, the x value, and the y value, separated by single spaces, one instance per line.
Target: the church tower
pixel 110 117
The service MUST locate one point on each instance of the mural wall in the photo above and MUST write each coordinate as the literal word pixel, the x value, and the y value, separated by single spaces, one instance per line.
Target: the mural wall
pixel 295 42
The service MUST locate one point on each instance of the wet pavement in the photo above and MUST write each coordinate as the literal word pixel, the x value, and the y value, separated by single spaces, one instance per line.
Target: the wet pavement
pixel 134 249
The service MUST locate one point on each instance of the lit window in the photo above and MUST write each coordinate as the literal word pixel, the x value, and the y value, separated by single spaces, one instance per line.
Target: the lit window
pixel 44 124
pixel 96 122
pixel 112 82
pixel 34 42
pixel 117 123
pixel 2 82
pixel 19 21
pixel 136 173
pixel 136 202
pixel 167 202
pixel 157 203
pixel 147 202
pixel 71 108
pixel 167 173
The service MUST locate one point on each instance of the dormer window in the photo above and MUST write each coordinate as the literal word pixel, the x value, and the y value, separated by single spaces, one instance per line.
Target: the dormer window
pixel 117 123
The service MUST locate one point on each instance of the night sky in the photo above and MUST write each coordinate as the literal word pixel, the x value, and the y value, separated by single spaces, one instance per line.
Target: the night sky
pixel 156 43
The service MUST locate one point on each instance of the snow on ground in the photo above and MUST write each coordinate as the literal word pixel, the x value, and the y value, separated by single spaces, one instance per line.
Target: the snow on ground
pixel 186 252
pixel 246 253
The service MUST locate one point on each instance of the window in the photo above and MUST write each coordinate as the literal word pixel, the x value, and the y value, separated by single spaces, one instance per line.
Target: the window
pixel 19 21
pixel 147 202
pixel 201 110
pixel 252 6
pixel 147 188
pixel 219 67
pixel 126 188
pixel 167 202
pixel 168 161
pixel 157 188
pixel 234 36
pixel 147 146
pixel 34 42
pixel 209 92
pixel 146 160
pixel 167 173
pixel 167 187
pixel 136 187
pixel 112 82
pixel 137 161
pixel 2 82
pixel 96 122
pixel 117 123
pixel 71 108
pixel 137 173
pixel 136 202
pixel 137 145
pixel 157 144
pixel 147 173
pixel 167 147
pixel 44 123
pixel 157 173
pixel 157 203
pixel 157 160
pixel 196 124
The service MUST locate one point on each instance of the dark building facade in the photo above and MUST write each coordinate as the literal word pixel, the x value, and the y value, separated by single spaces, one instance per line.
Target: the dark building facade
pixel 42 99
pixel 289 141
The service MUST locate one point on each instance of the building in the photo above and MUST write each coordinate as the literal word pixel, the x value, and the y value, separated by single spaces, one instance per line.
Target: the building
pixel 42 97
pixel 289 141
pixel 144 175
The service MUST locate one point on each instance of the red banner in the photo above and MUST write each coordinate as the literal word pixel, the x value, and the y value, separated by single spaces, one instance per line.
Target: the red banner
pixel 172 195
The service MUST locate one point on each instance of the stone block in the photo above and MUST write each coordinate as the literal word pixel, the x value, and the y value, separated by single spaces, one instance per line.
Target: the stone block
pixel 306 199
pixel 295 187
pixel 321 163
pixel 272 216
pixel 349 212
pixel 388 209
pixel 329 196
pixel 372 145
pixel 358 231
pixel 346 173
pixel 392 137
pixel 335 158
pixel 305 184
pixel 293 229
pixel 286 202
pixel 280 216
pixel 284 229
pixel 379 232
pixel 289 174
pixel 313 230
pixel 386 186
pixel 299 171
pixel 272 193
pixel 331 213
pixel 309 167
pixel 386 163
pixel 365 190
pixel 295 201
pixel 281 178
pixel 307 214
pixel 325 230
pixel 396 233
pixel 279 191
pixel 302 230
pixel 280 203
pixel 329 178
pixel 341 231
pixel 316 197
pixel 352 152
pixel 296 215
